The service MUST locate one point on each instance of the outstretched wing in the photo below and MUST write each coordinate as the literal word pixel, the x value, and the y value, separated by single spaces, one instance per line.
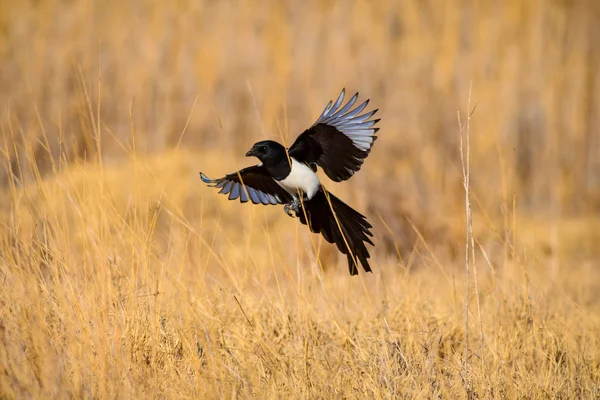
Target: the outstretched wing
pixel 339 141
pixel 251 183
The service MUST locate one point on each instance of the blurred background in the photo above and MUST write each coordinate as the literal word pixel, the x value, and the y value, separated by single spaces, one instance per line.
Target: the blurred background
pixel 129 278
pixel 94 79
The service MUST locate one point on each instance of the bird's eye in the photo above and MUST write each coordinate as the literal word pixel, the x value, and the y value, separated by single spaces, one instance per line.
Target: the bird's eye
pixel 263 149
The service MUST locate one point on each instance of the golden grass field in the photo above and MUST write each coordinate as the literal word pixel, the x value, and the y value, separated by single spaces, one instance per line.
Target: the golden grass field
pixel 123 276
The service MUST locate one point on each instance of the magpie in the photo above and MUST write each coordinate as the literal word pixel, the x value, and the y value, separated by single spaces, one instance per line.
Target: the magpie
pixel 338 142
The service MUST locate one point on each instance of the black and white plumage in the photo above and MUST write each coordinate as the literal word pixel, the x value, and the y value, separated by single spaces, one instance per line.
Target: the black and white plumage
pixel 250 184
pixel 338 142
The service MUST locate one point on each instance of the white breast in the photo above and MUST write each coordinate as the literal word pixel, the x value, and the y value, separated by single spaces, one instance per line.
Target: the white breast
pixel 301 177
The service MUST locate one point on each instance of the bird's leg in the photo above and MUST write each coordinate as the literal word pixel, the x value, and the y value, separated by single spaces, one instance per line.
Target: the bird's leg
pixel 293 205
pixel 286 208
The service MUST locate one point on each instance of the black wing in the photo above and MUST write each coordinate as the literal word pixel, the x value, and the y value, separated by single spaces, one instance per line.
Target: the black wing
pixel 251 183
pixel 354 233
pixel 339 140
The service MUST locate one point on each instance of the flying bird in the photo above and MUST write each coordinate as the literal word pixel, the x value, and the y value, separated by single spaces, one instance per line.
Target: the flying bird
pixel 338 142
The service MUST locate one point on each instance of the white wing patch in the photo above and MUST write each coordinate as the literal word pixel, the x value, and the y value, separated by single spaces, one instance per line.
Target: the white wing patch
pixel 351 123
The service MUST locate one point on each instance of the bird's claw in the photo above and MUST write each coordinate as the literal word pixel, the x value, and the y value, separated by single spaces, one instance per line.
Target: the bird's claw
pixel 294 206
pixel 287 210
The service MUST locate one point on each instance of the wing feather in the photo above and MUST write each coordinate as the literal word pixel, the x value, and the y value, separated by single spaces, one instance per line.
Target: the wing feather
pixel 340 139
pixel 252 183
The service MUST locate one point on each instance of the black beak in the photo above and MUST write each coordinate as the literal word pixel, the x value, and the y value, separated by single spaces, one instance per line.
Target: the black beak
pixel 250 153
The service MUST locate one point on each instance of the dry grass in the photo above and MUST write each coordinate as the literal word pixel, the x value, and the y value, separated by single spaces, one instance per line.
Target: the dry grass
pixel 123 276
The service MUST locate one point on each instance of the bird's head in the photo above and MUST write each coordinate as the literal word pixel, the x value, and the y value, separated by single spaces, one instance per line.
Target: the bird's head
pixel 267 150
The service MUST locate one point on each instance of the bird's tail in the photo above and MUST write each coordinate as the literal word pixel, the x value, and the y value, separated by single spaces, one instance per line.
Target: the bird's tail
pixel 344 226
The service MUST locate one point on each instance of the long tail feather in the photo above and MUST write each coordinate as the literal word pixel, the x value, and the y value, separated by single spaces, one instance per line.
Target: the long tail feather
pixel 340 224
